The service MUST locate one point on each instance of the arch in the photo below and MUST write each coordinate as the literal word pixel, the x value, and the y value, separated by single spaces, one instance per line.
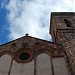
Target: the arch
pixel 42 51
pixel 43 64
pixel 5 62
pixel 6 53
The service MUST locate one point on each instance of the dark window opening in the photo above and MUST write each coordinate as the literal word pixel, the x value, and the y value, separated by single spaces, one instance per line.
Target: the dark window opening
pixel 24 56
pixel 14 44
pixel 68 23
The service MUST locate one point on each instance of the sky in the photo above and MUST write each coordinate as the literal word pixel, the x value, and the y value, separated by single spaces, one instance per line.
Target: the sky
pixel 18 17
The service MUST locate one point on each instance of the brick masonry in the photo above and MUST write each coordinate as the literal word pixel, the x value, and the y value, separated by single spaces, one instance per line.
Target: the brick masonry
pixel 41 61
pixel 65 35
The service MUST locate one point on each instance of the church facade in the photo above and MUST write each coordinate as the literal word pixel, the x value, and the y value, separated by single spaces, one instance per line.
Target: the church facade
pixel 33 56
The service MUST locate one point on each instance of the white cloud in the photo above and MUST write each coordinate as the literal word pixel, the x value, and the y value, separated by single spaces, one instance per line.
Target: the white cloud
pixel 33 16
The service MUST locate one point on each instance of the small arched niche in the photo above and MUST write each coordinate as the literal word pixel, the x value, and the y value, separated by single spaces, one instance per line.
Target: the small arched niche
pixel 5 62
pixel 43 66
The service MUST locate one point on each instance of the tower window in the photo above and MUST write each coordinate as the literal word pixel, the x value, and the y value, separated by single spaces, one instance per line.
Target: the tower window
pixel 67 22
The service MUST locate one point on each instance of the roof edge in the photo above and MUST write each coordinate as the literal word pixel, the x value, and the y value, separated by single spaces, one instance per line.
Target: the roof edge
pixel 62 13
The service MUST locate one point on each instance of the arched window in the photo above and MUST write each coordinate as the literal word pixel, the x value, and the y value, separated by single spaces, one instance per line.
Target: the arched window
pixel 43 65
pixel 67 22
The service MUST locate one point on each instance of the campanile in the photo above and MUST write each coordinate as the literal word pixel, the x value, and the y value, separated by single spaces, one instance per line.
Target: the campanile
pixel 62 29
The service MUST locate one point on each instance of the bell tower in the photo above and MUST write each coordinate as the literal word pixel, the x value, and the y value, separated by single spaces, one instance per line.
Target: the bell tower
pixel 62 29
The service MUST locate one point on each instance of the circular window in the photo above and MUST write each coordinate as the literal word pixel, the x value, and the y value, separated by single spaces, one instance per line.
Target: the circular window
pixel 24 56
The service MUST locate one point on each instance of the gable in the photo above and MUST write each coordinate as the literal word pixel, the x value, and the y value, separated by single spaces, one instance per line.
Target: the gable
pixel 32 46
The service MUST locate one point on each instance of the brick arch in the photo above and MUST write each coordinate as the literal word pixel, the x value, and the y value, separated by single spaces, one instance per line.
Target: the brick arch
pixel 43 64
pixel 45 51
pixel 7 53
pixel 42 51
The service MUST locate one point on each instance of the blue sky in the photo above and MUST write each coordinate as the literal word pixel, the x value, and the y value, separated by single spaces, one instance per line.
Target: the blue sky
pixel 4 32
pixel 18 17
